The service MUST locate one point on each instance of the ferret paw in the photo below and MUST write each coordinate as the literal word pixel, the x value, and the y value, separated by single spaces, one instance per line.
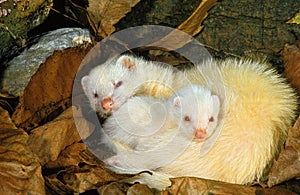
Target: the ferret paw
pixel 113 161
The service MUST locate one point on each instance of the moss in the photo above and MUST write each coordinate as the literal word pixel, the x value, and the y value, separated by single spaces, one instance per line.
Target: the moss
pixel 22 18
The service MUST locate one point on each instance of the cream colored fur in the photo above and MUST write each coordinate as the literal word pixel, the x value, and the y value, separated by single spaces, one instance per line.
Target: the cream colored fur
pixel 258 109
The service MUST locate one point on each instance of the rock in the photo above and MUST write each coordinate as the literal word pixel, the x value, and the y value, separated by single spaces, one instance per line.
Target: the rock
pixel 20 69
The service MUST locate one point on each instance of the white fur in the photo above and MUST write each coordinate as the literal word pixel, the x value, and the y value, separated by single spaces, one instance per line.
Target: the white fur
pixel 142 78
pixel 257 109
pixel 165 134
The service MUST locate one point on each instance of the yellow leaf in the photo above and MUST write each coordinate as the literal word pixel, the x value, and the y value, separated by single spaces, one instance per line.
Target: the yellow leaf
pixel 295 19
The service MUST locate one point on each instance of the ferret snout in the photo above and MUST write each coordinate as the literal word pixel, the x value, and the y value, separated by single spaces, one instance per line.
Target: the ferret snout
pixel 107 104
pixel 200 133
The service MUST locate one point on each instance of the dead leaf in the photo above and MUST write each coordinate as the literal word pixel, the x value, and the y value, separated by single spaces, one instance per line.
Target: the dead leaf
pixel 192 185
pixel 291 55
pixel 295 19
pixel 20 171
pixel 73 155
pixel 137 189
pixel 49 140
pixel 85 178
pixel 113 188
pixel 192 26
pixel 49 90
pixel 78 170
pixel 288 164
pixel 103 14
pixel 5 120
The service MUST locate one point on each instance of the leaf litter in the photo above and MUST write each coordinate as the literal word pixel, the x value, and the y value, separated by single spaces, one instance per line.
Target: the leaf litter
pixel 68 166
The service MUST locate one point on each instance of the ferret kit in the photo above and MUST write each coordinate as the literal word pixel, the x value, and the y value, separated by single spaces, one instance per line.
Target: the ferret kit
pixel 223 120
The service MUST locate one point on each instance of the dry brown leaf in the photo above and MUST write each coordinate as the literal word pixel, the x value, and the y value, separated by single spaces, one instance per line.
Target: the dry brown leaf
pixel 79 171
pixel 70 156
pixel 138 189
pixel 20 172
pixel 86 178
pixel 291 55
pixel 5 120
pixel 49 140
pixel 113 188
pixel 191 185
pixel 49 90
pixel 103 14
pixel 288 164
pixel 191 26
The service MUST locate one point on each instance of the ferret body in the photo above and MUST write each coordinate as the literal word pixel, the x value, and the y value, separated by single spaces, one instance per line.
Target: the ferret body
pixel 158 129
pixel 109 85
pixel 258 108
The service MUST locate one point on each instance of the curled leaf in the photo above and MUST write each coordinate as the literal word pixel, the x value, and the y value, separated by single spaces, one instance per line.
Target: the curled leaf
pixel 20 170
pixel 103 14
pixel 192 25
pixel 49 90
pixel 288 164
pixel 49 140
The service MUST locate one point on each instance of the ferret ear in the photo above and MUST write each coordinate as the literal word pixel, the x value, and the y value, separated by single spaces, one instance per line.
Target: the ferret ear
pixel 216 104
pixel 177 102
pixel 127 62
pixel 85 82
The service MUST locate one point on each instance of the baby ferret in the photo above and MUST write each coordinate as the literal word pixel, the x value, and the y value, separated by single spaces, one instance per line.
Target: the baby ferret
pixel 109 85
pixel 156 130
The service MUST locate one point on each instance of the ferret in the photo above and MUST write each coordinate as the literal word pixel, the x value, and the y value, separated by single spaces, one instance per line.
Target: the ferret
pixel 145 124
pixel 109 85
pixel 257 108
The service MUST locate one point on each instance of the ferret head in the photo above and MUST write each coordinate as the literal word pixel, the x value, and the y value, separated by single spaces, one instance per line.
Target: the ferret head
pixel 196 111
pixel 109 85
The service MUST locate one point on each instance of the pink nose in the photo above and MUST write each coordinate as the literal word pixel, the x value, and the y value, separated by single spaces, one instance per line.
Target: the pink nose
pixel 200 133
pixel 107 104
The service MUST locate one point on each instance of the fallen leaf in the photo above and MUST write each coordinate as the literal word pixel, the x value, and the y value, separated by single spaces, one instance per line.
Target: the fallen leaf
pixel 49 140
pixel 20 171
pixel 192 185
pixel 5 120
pixel 288 164
pixel 103 14
pixel 137 189
pixel 291 55
pixel 72 155
pixel 295 19
pixel 78 170
pixel 192 25
pixel 49 90
pixel 85 178
pixel 113 188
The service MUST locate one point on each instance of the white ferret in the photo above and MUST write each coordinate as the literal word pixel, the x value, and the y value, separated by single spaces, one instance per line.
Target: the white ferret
pixel 158 129
pixel 109 85
pixel 258 109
